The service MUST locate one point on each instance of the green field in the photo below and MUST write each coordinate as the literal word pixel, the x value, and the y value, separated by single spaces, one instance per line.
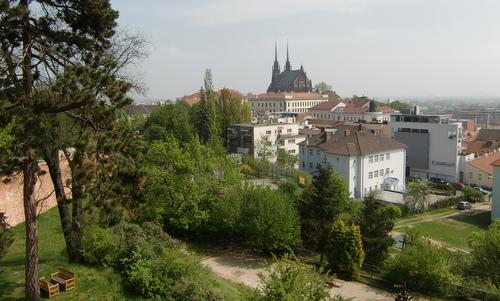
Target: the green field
pixel 455 230
pixel 94 283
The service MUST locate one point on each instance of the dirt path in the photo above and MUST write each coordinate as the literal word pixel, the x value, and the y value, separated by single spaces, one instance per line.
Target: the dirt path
pixel 244 268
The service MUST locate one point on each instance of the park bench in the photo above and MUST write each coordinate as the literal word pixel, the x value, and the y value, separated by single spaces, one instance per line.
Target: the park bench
pixel 51 289
pixel 65 278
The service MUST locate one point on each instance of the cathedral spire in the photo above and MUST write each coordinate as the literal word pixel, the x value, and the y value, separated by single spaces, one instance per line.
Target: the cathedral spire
pixel 275 52
pixel 287 64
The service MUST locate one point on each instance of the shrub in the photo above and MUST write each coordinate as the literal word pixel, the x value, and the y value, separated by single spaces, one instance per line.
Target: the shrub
pixel 486 253
pixel 472 195
pixel 6 236
pixel 269 220
pixel 446 203
pixel 292 281
pixel 345 249
pixel 422 266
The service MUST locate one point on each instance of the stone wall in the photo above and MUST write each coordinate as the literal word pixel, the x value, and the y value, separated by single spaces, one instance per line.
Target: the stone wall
pixel 11 193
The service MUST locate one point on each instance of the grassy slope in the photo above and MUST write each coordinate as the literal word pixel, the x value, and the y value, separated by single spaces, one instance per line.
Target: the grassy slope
pixel 454 230
pixel 94 283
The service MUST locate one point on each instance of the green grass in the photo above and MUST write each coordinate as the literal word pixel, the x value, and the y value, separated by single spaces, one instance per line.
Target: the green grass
pixel 93 283
pixel 454 230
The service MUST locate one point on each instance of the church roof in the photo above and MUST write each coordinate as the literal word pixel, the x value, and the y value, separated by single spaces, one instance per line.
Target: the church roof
pixel 288 76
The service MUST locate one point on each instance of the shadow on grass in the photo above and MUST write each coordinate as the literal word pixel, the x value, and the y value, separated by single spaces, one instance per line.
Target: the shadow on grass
pixel 481 220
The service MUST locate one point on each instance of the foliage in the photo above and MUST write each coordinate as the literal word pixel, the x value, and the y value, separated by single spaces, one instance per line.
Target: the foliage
pixel 422 266
pixel 264 148
pixel 231 110
pixel 472 195
pixel 376 223
pixel 416 196
pixel 446 203
pixel 6 236
pixel 285 159
pixel 269 220
pixel 170 119
pixel 322 202
pixel 345 249
pixel 398 105
pixel 486 253
pixel 291 280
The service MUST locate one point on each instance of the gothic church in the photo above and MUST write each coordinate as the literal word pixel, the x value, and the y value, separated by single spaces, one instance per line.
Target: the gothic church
pixel 289 80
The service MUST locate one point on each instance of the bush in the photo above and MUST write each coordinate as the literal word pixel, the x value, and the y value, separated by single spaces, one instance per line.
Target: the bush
pixel 446 203
pixel 472 195
pixel 345 249
pixel 269 220
pixel 486 253
pixel 422 266
pixel 292 281
pixel 6 236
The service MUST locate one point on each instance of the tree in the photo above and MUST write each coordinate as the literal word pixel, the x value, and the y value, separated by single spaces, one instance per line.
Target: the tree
pixel 486 253
pixel 345 249
pixel 322 87
pixel 472 195
pixel 41 38
pixel 322 202
pixel 376 223
pixel 398 105
pixel 416 196
pixel 264 148
pixel 231 110
pixel 285 159
pixel 291 280
pixel 6 236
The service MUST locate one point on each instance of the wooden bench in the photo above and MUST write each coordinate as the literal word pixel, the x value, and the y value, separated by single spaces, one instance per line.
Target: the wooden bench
pixel 51 289
pixel 65 278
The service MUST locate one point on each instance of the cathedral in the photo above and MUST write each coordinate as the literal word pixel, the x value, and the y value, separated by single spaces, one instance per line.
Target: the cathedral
pixel 289 80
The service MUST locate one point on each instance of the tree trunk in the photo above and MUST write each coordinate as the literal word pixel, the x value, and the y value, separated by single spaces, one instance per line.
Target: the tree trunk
pixel 31 263
pixel 51 157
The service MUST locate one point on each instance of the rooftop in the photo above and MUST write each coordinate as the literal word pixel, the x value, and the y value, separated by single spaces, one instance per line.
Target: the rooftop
pixel 485 163
pixel 327 105
pixel 360 143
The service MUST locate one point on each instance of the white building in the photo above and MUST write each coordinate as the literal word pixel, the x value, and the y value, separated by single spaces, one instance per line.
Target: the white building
pixel 356 110
pixel 246 139
pixel 366 161
pixel 434 143
pixel 480 171
pixel 495 201
pixel 296 102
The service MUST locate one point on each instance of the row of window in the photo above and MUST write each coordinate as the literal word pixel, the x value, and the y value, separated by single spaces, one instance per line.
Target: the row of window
pixel 377 158
pixel 479 176
pixel 291 104
pixel 289 131
pixel 378 173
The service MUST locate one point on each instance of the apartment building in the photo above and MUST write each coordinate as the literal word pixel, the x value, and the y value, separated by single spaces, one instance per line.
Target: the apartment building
pixel 246 139
pixel 367 161
pixel 434 144
pixel 296 102
pixel 361 110
pixel 479 171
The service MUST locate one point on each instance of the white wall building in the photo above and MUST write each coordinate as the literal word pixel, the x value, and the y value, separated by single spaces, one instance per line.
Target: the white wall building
pixel 360 110
pixel 296 102
pixel 366 161
pixel 495 201
pixel 480 171
pixel 434 144
pixel 246 139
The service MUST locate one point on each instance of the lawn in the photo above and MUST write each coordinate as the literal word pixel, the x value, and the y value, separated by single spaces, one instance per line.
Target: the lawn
pixel 454 230
pixel 93 283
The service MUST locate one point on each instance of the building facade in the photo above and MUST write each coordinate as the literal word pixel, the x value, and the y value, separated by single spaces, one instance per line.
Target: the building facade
pixel 434 144
pixel 268 103
pixel 495 201
pixel 361 110
pixel 479 171
pixel 248 139
pixel 366 161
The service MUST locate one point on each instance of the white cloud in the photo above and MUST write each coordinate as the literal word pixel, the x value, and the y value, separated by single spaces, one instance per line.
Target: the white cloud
pixel 225 12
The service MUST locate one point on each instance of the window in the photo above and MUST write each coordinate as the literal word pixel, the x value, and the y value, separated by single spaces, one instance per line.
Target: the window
pixel 375 174
pixel 381 157
pixel 310 165
pixel 303 151
pixel 303 164
pixel 317 152
pixel 376 158
pixel 291 151
pixel 370 175
pixel 291 141
pixel 381 172
pixel 479 177
pixel 289 130
pixel 387 171
pixel 370 159
pixel 268 132
pixel 387 156
pixel 470 175
pixel 279 131
pixel 310 152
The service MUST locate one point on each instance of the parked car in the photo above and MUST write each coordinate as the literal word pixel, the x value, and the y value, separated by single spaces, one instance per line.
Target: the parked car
pixel 458 186
pixel 438 181
pixel 464 205
pixel 482 190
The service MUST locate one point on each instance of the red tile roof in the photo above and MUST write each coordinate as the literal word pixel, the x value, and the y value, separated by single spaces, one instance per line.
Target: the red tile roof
pixel 496 163
pixel 196 97
pixel 485 163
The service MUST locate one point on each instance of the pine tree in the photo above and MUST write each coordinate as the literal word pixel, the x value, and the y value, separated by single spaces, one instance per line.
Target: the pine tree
pixel 205 119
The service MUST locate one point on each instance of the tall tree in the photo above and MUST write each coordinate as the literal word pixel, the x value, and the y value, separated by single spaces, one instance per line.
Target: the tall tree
pixel 39 38
pixel 322 202
pixel 231 110
pixel 416 196
pixel 376 223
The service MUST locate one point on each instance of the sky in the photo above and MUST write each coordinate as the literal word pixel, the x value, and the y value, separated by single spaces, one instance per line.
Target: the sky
pixel 377 48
